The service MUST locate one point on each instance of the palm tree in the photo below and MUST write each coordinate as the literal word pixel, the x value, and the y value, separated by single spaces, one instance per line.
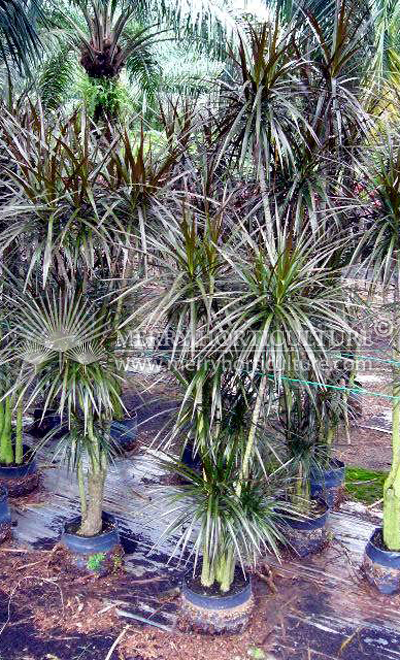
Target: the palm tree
pixel 385 24
pixel 19 42
pixel 67 348
pixel 111 38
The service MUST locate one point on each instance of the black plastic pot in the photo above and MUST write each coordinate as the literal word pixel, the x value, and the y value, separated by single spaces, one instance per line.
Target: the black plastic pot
pixel 51 420
pixel 22 479
pixel 381 567
pixel 190 460
pixel 87 551
pixel 217 613
pixel 217 602
pixel 124 433
pixel 51 416
pixel 306 536
pixel 327 483
pixel 5 516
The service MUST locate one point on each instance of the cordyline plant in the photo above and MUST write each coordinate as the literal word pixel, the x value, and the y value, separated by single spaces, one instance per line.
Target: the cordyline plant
pixel 245 307
pixel 84 207
pixel 233 517
pixel 281 304
pixel 57 197
pixel 291 115
pixel 234 520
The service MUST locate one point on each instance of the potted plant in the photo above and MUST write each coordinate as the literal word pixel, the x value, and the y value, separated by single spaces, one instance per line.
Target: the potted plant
pixel 331 407
pixel 224 504
pixel 380 253
pixel 284 301
pixel 5 516
pixel 18 467
pixel 306 531
pixel 67 349
pixel 231 513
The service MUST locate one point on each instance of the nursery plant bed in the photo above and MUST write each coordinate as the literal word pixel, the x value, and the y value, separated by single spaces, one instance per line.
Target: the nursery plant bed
pixel 321 603
pixel 323 608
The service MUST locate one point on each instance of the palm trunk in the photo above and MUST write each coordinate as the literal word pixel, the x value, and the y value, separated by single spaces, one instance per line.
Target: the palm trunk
pixel 92 506
pixel 391 490
pixel 81 488
pixel 92 521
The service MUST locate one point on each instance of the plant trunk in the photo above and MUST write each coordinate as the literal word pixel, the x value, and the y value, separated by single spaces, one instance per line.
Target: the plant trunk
pixel 303 493
pixel 226 570
pixel 244 473
pixel 6 448
pixel 391 489
pixel 19 449
pixel 330 436
pixel 92 506
pixel 81 487
pixel 346 395
pixel 207 573
pixel 92 521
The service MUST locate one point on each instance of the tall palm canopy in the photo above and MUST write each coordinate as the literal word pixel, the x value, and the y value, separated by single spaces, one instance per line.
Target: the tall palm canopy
pixel 19 41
